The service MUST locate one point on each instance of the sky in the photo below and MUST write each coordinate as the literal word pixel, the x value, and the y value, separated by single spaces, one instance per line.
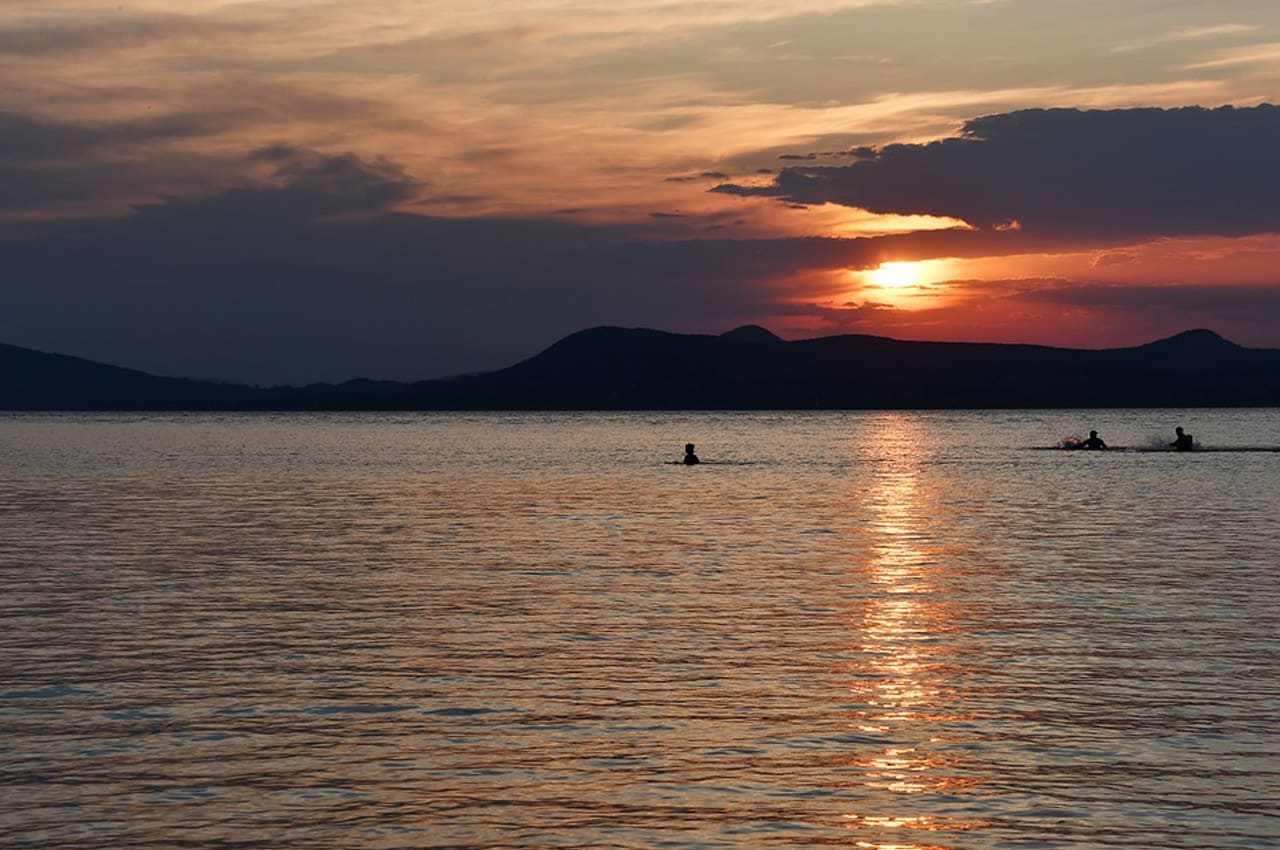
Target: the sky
pixel 288 191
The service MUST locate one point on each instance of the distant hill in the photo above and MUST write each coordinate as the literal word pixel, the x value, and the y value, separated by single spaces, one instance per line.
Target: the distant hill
pixel 615 368
pixel 748 368
pixel 33 380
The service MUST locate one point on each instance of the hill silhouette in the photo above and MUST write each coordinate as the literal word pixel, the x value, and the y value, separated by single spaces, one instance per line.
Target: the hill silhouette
pixel 610 368
pixel 752 333
pixel 33 380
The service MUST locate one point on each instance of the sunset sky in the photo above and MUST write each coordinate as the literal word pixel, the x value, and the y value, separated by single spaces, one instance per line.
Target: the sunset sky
pixel 299 190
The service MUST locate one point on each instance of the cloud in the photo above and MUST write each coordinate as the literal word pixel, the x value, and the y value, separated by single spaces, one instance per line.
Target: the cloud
pixel 48 165
pixel 1140 172
pixel 1185 34
pixel 336 182
pixel 1250 55
pixel 59 35
pixel 694 178
pixel 45 162
pixel 1224 301
pixel 27 138
pixel 1114 258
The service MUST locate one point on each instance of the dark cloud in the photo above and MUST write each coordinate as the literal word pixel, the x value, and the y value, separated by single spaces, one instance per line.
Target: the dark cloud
pixel 50 165
pixel 1114 258
pixel 1242 313
pixel 1228 302
pixel 45 162
pixel 336 182
pixel 24 138
pixel 1141 172
pixel 693 178
pixel 110 31
pixel 461 200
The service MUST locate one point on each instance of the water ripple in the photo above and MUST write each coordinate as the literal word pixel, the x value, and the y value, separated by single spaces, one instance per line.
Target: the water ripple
pixel 409 632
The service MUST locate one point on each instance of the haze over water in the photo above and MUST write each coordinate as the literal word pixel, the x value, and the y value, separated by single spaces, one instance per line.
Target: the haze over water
pixel 882 630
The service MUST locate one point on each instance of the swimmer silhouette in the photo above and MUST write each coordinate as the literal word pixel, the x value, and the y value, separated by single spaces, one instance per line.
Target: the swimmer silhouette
pixel 689 457
pixel 1182 442
pixel 1094 442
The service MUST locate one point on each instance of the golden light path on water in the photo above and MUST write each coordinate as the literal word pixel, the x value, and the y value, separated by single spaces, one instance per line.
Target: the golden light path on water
pixel 899 690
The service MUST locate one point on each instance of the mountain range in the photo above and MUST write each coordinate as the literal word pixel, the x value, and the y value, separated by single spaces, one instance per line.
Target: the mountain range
pixel 749 368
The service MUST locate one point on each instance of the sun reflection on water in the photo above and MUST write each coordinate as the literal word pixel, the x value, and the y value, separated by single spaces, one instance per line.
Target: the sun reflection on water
pixel 901 696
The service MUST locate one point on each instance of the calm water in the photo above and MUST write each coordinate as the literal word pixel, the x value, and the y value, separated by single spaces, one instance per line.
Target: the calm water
pixel 875 630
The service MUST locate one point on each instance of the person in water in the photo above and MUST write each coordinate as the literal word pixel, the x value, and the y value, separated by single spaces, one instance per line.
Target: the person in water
pixel 1094 442
pixel 689 457
pixel 1182 442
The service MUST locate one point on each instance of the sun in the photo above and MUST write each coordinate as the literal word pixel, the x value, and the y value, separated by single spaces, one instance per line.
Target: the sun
pixel 894 275
pixel 907 284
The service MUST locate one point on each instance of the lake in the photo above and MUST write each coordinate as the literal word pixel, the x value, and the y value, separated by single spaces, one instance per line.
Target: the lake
pixel 887 630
